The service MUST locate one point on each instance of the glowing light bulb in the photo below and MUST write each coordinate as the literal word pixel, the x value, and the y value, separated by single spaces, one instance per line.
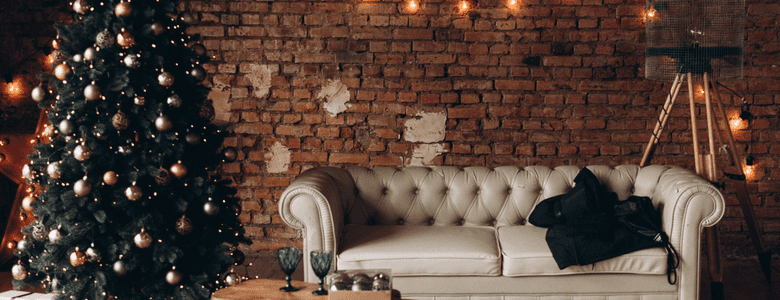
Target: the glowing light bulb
pixel 464 5
pixel 512 2
pixel 412 5
pixel 651 13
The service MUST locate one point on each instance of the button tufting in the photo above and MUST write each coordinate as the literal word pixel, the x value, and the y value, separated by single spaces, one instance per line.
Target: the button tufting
pixel 431 221
pixel 462 221
pixel 400 221
pixel 415 191
pixel 385 191
pixel 494 222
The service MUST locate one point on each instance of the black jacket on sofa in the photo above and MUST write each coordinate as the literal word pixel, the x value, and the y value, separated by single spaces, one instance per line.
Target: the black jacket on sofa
pixel 588 224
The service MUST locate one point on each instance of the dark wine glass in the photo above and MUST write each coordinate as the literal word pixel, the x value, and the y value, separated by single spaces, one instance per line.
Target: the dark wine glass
pixel 320 263
pixel 289 257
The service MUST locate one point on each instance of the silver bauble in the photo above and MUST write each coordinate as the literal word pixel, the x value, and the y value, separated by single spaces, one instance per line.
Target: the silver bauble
pixel 27 172
pixel 105 39
pixel 92 92
pixel 19 272
pixel 39 93
pixel 173 277
pixel 163 123
pixel 199 49
pixel 82 152
pixel 77 57
pixel 193 138
pixel 198 73
pixel 187 18
pixel 55 284
pixel 82 188
pixel 211 208
pixel 81 6
pixel 158 28
pixel 139 100
pixel 142 240
pixel 174 101
pixel 126 150
pixel 232 279
pixel 55 236
pixel 39 231
pixel 28 201
pixel 92 254
pixel 120 268
pixel 131 61
pixel 164 178
pixel 165 79
pixel 21 245
pixel 133 193
pixel 66 127
pixel 90 53
pixel 53 169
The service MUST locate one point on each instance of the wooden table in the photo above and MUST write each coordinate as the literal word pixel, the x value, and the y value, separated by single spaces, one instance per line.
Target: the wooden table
pixel 267 289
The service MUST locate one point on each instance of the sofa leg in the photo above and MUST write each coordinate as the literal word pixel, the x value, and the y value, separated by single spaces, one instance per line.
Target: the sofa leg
pixel 716 291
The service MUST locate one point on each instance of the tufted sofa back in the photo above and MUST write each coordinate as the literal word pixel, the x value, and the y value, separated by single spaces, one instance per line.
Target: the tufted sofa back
pixel 474 196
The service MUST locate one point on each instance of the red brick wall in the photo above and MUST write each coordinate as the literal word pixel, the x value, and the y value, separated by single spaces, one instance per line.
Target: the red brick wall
pixel 543 83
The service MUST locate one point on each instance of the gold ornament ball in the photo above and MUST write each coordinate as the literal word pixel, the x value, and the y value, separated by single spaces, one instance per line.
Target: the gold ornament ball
pixel 163 123
pixel 125 39
pixel 179 170
pixel 82 188
pixel 174 101
pixel 142 240
pixel 12 244
pixel 184 225
pixel 82 152
pixel 62 71
pixel 158 28
pixel 27 172
pixel 139 100
pixel 19 272
pixel 133 193
pixel 21 245
pixel 77 258
pixel 55 43
pixel 165 79
pixel 173 277
pixel 120 268
pixel 92 92
pixel 123 9
pixel 39 93
pixel 110 177
pixel 28 201
pixel 120 121
pixel 81 6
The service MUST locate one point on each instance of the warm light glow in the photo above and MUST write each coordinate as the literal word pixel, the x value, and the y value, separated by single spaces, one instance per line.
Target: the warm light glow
pixel 750 172
pixel 412 6
pixel 735 123
pixel 464 5
pixel 651 13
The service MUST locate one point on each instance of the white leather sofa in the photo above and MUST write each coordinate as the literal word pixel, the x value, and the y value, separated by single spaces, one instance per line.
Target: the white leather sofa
pixel 461 233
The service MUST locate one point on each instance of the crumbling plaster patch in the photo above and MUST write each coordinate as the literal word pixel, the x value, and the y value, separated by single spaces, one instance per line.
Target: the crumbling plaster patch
pixel 220 98
pixel 260 77
pixel 336 96
pixel 426 127
pixel 424 154
pixel 277 159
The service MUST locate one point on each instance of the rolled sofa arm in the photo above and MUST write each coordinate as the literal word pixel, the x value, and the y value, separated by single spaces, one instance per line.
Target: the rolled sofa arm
pixel 313 202
pixel 688 203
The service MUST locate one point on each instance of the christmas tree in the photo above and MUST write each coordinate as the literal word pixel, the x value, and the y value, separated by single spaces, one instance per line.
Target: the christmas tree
pixel 125 203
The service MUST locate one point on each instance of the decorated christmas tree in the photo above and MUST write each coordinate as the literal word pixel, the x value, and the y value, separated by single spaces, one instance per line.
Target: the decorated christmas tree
pixel 126 205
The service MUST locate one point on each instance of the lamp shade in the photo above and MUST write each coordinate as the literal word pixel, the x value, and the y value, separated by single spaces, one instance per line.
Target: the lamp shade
pixel 694 36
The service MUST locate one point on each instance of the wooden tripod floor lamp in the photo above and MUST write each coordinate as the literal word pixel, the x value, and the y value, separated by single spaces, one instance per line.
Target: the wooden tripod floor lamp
pixel 706 166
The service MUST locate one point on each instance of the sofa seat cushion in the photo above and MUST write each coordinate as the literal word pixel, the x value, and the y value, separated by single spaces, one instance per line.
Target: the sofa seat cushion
pixel 526 253
pixel 421 250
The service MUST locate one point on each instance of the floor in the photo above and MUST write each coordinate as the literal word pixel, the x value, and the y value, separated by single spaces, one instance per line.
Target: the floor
pixel 742 280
